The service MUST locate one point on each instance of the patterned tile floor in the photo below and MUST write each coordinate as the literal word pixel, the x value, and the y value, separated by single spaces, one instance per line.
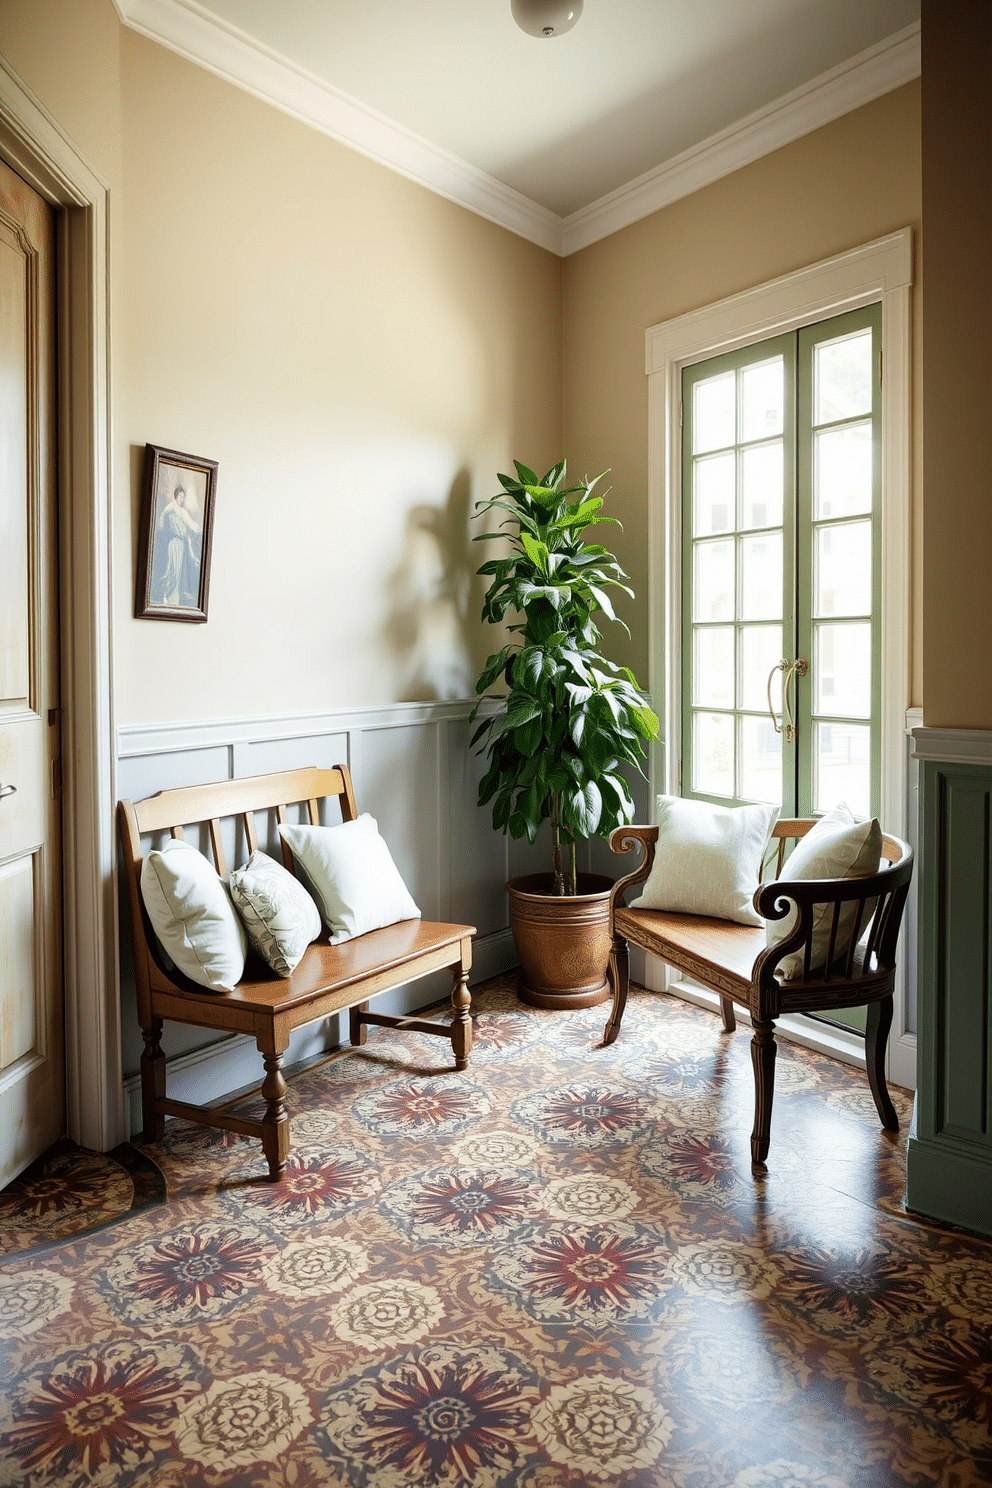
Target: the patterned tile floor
pixel 553 1270
pixel 70 1191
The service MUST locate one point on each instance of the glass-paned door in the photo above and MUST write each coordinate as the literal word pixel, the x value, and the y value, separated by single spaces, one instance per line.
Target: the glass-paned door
pixel 781 521
pixel 739 575
pixel 839 563
pixel 781 570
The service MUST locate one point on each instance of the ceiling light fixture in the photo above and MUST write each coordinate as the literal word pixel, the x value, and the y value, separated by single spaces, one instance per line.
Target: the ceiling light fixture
pixel 546 17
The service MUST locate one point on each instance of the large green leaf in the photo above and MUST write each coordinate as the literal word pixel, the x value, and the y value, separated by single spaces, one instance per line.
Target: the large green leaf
pixel 493 668
pixel 520 710
pixel 545 499
pixel 529 736
pixel 536 551
pixel 531 665
pixel 646 721
pixel 581 808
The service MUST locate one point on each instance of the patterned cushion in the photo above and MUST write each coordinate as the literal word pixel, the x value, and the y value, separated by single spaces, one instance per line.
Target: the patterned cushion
pixel 279 915
pixel 707 859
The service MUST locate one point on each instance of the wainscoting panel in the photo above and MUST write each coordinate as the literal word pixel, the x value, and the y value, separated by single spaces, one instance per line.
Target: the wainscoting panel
pixel 949 1157
pixel 265 756
pixel 413 771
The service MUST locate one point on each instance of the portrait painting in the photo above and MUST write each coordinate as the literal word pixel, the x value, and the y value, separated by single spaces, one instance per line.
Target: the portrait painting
pixel 174 536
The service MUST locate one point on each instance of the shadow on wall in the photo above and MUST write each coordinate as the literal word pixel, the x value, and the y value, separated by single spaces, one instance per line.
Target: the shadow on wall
pixel 434 636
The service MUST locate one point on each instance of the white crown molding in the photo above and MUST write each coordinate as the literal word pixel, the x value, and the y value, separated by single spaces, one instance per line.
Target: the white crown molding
pixel 878 70
pixel 952 746
pixel 186 28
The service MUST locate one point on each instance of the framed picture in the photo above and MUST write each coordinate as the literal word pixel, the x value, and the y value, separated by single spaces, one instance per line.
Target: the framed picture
pixel 174 534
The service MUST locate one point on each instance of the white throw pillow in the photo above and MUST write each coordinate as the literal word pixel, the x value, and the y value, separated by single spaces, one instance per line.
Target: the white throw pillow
pixel 192 915
pixel 708 859
pixel 840 845
pixel 350 873
pixel 279 915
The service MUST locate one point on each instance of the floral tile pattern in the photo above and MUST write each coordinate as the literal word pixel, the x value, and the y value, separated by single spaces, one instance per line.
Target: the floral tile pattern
pixel 69 1191
pixel 556 1269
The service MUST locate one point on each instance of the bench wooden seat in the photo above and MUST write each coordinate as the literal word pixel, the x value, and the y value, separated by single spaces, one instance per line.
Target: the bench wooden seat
pixel 329 979
pixel 735 962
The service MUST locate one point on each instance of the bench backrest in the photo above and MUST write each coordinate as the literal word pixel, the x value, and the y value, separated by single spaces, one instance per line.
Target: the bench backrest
pixel 791 828
pixel 208 806
pixel 192 805
pixel 873 905
pixel 861 915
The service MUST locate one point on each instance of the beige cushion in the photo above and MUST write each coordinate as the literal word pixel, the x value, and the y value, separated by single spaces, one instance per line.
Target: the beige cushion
pixel 708 859
pixel 350 873
pixel 191 913
pixel 279 915
pixel 840 845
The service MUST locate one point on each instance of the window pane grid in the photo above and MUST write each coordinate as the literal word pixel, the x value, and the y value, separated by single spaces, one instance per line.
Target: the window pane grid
pixel 795 420
pixel 850 422
pixel 737 479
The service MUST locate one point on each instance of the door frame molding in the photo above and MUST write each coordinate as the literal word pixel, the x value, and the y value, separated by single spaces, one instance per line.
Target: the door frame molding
pixel 880 272
pixel 33 145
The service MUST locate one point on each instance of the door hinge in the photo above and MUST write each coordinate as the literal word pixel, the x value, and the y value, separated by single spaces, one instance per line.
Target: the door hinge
pixel 56 776
pixel 880 369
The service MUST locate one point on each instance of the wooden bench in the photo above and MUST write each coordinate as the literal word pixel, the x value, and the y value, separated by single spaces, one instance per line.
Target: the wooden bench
pixel 735 962
pixel 329 979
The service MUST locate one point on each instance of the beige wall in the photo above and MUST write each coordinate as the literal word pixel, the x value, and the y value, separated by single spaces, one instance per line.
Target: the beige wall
pixel 957 191
pixel 848 183
pixel 358 354
pixel 67 52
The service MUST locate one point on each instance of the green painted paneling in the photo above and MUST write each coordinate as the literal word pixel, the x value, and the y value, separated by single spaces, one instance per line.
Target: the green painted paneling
pixel 950 1185
pixel 963 967
pixel 950 1151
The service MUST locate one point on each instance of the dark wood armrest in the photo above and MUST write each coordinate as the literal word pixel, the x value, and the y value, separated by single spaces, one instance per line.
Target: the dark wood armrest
pixel 622 839
pixel 876 903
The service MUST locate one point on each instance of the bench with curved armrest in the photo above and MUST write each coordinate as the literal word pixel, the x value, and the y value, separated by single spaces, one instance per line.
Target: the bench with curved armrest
pixel 735 962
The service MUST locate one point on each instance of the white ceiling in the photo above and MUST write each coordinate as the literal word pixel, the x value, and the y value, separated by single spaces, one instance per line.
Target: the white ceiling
pixel 566 120
pixel 561 122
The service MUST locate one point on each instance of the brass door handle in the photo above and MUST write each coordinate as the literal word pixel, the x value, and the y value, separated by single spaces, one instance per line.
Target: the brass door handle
pixel 790 670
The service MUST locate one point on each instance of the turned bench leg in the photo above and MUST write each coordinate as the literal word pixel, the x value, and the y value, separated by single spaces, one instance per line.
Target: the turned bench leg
pixel 619 978
pixel 727 1013
pixel 763 1053
pixel 275 1122
pixel 877 1027
pixel 461 1023
pixel 152 1083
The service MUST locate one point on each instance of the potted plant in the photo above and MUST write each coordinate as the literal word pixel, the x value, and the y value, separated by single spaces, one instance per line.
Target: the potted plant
pixel 573 721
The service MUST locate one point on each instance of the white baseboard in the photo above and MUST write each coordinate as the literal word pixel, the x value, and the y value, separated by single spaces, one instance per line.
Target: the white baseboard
pixel 902 1061
pixel 823 1038
pixel 849 1048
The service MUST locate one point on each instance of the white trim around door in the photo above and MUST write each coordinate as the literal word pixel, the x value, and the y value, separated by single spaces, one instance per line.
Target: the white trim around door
pixel 879 272
pixel 34 146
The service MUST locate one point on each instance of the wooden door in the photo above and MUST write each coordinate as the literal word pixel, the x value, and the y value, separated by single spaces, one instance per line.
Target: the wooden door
pixel 32 1067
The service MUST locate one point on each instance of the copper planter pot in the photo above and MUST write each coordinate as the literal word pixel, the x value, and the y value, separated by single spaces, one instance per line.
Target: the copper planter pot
pixel 563 941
